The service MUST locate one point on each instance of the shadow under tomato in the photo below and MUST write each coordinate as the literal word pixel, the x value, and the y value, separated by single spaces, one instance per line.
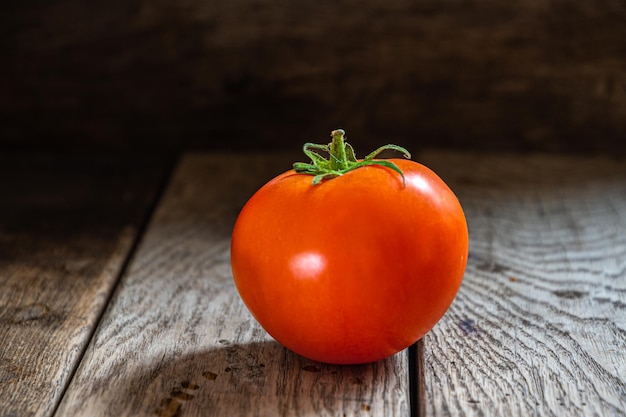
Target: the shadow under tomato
pixel 260 378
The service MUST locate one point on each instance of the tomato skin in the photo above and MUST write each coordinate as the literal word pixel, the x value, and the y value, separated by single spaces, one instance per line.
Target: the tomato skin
pixel 354 269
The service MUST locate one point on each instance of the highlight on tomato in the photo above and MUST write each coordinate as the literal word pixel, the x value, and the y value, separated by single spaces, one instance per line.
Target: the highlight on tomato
pixel 347 261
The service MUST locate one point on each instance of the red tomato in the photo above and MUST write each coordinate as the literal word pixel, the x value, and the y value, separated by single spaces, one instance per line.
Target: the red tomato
pixel 355 268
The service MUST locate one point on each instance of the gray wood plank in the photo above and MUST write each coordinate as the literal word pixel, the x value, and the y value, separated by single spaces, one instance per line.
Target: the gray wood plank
pixel 67 225
pixel 177 340
pixel 539 325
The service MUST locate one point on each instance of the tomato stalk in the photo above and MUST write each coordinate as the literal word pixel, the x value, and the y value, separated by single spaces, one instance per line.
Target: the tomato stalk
pixel 341 158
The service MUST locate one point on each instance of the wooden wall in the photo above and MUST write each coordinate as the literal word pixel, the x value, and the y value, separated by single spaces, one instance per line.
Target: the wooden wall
pixel 123 75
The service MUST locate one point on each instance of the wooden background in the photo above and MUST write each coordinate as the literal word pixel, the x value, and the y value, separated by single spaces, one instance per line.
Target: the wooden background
pixel 131 75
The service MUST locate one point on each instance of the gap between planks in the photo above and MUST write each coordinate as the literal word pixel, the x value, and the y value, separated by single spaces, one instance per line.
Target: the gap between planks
pixel 158 195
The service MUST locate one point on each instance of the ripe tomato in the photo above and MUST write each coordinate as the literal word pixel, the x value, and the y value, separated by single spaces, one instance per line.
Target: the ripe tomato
pixel 355 268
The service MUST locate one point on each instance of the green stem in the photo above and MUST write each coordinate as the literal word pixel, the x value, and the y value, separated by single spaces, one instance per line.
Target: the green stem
pixel 338 160
pixel 341 159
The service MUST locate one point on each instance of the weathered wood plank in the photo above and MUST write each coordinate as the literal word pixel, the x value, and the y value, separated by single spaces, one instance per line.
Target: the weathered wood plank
pixel 539 325
pixel 66 227
pixel 177 340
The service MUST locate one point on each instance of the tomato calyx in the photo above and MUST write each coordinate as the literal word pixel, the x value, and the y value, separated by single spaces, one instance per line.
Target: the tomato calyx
pixel 341 159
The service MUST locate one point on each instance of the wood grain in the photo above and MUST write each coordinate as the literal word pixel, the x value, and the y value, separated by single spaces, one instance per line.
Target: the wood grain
pixel 67 225
pixel 177 340
pixel 539 325
pixel 529 74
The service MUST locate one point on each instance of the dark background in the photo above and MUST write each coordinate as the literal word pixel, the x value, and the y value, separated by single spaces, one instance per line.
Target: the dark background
pixel 161 76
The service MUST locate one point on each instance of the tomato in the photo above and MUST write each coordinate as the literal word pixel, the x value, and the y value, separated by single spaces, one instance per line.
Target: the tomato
pixel 356 267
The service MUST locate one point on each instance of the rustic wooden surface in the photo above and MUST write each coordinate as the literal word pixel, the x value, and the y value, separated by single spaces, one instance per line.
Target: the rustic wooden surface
pixel 528 74
pixel 66 227
pixel 539 325
pixel 538 328
pixel 177 340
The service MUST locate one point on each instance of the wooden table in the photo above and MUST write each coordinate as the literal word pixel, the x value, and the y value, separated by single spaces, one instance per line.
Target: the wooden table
pixel 116 296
